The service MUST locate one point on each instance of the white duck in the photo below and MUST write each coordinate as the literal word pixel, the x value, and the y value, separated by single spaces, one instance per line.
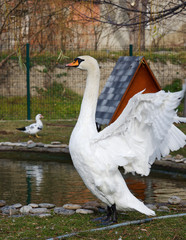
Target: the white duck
pixel 33 128
pixel 143 132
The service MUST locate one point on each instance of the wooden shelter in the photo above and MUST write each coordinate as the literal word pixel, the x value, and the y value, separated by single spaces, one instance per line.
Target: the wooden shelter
pixel 130 75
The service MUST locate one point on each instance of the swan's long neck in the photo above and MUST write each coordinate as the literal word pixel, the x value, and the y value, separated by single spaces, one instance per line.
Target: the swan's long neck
pixel 89 103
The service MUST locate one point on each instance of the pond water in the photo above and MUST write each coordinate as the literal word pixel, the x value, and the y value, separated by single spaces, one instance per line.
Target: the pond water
pixel 39 177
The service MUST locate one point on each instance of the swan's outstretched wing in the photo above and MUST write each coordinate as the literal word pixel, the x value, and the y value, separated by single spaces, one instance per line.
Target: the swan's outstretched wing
pixel 143 132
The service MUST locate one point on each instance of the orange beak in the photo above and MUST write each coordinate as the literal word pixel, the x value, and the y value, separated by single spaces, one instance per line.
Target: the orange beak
pixel 73 64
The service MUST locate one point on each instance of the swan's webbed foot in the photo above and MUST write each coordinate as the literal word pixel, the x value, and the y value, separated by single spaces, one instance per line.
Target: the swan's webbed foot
pixel 110 218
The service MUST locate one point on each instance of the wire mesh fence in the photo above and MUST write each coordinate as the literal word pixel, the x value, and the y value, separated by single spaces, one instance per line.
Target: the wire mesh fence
pixel 56 91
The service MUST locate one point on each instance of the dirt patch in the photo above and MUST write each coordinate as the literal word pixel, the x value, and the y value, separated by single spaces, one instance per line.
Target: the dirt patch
pixel 4 132
pixel 58 125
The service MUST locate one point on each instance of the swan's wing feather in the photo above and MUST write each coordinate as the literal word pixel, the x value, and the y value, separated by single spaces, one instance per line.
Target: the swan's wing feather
pixel 143 132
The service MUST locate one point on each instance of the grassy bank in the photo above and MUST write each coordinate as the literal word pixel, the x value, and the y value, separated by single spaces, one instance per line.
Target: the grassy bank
pixel 58 130
pixel 36 228
pixel 174 55
pixel 55 102
pixel 52 131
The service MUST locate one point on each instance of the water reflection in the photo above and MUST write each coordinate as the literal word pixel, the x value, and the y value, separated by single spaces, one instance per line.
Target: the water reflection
pixel 34 171
pixel 52 178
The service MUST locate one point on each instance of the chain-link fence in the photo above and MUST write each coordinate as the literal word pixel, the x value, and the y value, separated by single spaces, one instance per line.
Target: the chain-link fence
pixel 56 91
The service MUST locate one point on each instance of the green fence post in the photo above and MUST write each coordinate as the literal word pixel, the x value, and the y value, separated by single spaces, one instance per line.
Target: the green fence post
pixel 130 50
pixel 184 88
pixel 28 79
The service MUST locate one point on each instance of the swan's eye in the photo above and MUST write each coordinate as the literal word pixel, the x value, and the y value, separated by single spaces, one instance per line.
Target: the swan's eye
pixel 75 63
pixel 79 60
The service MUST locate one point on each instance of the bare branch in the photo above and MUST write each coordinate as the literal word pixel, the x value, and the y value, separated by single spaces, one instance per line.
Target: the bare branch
pixel 150 17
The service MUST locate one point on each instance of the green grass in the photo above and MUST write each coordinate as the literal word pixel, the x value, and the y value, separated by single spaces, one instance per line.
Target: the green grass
pixel 173 56
pixel 55 102
pixel 52 131
pixel 175 86
pixel 49 59
pixel 35 228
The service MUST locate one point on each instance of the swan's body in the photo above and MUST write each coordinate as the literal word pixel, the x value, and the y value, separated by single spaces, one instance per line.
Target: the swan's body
pixel 33 128
pixel 142 133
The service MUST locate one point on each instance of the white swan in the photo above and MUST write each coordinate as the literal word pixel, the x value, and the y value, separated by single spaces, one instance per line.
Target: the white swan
pixel 33 128
pixel 143 132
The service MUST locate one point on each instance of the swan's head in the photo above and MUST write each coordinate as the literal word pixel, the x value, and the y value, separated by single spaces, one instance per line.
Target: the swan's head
pixel 83 62
pixel 39 116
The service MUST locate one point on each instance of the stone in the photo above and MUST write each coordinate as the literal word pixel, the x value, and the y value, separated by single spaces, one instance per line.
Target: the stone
pixel 12 211
pixel 174 200
pixel 178 156
pixel 39 144
pixel 46 145
pixel 63 211
pixel 25 209
pixel 18 144
pixel 2 203
pixel 72 206
pixel 43 215
pixel 33 205
pixel 55 146
pixel 152 206
pixel 8 210
pixel 169 159
pixel 163 209
pixel 84 211
pixel 52 146
pixel 31 145
pixel 178 160
pixel 46 205
pixel 17 205
pixel 39 210
pixel 56 143
pixel 93 205
pixel 7 144
pixel 30 142
pixel 23 144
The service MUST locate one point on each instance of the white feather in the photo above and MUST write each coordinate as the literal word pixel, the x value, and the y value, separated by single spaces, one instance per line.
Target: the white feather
pixel 143 132
pixel 33 128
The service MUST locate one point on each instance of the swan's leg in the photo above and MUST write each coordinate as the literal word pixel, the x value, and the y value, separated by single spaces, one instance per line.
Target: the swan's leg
pixel 111 216
pixel 105 218
pixel 114 213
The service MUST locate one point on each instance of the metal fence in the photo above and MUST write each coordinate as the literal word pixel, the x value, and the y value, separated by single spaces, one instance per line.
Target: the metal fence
pixel 33 82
